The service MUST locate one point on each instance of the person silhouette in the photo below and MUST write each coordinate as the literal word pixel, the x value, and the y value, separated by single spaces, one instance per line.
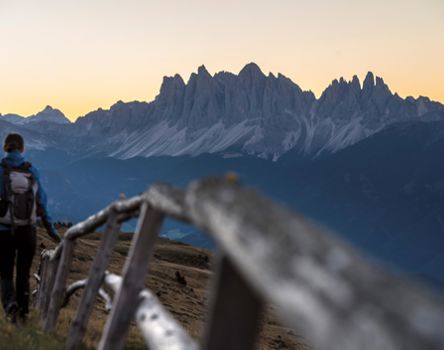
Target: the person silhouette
pixel 22 199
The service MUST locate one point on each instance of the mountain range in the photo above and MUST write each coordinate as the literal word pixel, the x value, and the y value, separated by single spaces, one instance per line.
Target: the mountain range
pixel 359 159
pixel 48 114
pixel 249 113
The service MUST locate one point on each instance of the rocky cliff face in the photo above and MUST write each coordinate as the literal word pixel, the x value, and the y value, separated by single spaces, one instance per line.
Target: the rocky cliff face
pixel 346 112
pixel 246 113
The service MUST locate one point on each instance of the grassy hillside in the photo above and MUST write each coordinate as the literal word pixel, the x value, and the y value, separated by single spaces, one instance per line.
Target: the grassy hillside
pixel 29 337
pixel 186 302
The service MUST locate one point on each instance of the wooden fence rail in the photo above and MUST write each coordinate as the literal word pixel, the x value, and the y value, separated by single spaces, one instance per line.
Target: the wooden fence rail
pixel 321 287
pixel 159 329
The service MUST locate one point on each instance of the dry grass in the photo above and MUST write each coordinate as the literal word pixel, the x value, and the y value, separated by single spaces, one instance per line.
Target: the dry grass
pixel 186 302
pixel 29 336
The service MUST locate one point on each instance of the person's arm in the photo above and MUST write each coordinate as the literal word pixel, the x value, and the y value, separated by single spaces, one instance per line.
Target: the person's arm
pixel 41 202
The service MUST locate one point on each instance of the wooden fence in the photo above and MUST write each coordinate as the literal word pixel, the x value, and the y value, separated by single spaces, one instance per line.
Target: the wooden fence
pixel 321 287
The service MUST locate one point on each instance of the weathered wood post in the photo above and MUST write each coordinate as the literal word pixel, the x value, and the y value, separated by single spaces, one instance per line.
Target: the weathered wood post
pixel 235 310
pixel 159 328
pixel 57 294
pixel 42 289
pixel 95 279
pixel 320 286
pixel 49 278
pixel 136 266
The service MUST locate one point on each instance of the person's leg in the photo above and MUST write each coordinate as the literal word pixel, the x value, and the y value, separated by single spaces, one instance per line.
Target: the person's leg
pixel 7 257
pixel 26 245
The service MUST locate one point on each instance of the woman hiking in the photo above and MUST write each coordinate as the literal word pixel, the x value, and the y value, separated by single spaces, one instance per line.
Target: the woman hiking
pixel 22 199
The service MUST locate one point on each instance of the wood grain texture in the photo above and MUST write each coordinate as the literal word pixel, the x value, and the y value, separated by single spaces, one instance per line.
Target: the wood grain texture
pixel 321 286
pixel 58 290
pixel 95 279
pixel 134 272
pixel 158 327
pixel 235 311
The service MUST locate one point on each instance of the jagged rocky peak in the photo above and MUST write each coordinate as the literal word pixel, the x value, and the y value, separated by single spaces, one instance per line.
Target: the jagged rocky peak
pixel 382 87
pixel 423 99
pixel 49 114
pixel 287 86
pixel 176 80
pixel 284 78
pixel 50 110
pixel 117 104
pixel 202 70
pixel 379 81
pixel 171 83
pixel 251 70
pixel 332 91
pixel 355 84
pixel 369 82
pixel 370 86
pixel 201 77
pixel 120 106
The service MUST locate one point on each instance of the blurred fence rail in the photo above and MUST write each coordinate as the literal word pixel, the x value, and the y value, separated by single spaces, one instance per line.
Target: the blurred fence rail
pixel 320 286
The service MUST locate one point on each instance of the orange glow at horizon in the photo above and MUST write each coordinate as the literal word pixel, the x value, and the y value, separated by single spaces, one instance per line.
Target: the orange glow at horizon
pixel 79 55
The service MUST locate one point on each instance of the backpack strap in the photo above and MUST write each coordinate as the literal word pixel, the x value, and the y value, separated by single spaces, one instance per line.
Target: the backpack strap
pixel 6 191
pixel 5 164
pixel 26 166
pixel 6 179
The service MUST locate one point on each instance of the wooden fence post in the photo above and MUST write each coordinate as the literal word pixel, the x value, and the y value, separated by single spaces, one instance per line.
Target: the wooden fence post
pixel 95 279
pixel 49 278
pixel 235 311
pixel 159 328
pixel 127 298
pixel 43 285
pixel 57 294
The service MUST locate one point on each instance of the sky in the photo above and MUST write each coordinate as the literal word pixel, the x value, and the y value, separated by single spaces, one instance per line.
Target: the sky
pixel 79 55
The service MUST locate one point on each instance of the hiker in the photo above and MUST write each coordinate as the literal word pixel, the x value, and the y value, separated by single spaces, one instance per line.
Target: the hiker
pixel 22 199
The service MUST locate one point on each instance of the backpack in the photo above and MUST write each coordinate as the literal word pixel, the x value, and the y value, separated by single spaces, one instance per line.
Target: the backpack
pixel 18 205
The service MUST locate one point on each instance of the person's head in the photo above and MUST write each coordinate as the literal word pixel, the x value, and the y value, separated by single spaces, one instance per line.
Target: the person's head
pixel 13 142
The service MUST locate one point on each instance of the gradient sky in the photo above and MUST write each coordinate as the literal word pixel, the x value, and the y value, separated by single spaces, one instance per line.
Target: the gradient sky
pixel 78 55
